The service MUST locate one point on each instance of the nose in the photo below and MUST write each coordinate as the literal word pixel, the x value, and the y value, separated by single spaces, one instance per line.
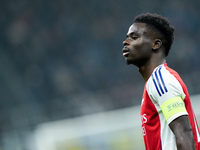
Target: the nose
pixel 125 42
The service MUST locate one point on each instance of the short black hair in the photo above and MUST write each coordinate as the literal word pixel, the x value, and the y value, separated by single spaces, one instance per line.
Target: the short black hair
pixel 161 24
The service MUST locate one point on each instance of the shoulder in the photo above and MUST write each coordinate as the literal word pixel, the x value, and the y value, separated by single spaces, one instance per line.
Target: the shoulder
pixel 164 84
pixel 160 79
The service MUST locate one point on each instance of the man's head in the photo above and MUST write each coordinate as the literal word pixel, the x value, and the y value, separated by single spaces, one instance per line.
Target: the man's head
pixel 160 26
pixel 148 38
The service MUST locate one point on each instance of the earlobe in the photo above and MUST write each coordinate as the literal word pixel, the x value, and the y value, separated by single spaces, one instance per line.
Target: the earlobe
pixel 157 44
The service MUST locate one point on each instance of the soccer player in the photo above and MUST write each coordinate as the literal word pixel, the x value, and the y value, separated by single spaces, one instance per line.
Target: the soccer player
pixel 168 119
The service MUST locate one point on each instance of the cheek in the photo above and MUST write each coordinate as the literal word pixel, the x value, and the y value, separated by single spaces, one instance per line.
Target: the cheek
pixel 140 46
pixel 144 46
pixel 142 50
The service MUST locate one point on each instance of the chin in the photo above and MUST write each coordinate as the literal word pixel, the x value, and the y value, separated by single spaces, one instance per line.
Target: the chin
pixel 129 61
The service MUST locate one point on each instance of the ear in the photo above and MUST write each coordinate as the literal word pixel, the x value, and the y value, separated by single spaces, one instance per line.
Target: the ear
pixel 157 44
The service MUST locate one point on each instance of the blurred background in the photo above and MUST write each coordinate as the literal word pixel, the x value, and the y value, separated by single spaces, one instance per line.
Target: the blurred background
pixel 62 60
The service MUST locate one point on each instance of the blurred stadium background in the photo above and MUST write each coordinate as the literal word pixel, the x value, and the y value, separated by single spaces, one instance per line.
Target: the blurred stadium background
pixel 64 84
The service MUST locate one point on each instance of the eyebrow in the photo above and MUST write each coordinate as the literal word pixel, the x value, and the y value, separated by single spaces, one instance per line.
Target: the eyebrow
pixel 131 34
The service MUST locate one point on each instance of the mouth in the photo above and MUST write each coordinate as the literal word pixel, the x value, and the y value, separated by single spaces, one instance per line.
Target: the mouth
pixel 125 52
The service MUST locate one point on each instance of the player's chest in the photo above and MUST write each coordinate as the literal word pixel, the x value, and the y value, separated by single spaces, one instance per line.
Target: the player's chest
pixel 148 110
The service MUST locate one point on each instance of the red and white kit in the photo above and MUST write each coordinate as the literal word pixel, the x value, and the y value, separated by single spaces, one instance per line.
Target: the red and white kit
pixel 164 99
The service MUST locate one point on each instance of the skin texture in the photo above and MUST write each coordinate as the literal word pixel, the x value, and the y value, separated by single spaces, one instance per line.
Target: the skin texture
pixel 184 135
pixel 144 49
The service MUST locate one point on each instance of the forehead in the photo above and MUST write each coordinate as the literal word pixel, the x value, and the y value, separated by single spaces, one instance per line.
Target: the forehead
pixel 139 28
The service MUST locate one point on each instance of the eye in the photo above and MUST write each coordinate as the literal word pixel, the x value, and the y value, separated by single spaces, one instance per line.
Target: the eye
pixel 134 37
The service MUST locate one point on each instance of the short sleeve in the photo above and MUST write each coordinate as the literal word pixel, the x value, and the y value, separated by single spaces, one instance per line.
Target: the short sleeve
pixel 165 90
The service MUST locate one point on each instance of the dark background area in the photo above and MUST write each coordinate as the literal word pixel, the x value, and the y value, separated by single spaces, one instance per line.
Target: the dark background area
pixel 62 59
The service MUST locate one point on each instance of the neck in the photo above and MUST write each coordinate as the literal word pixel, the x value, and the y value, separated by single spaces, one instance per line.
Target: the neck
pixel 147 69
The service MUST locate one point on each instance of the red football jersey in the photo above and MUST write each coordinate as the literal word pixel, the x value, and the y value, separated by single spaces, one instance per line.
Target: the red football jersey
pixel 165 87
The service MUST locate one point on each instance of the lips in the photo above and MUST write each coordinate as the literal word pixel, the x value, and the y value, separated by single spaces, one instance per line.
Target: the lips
pixel 125 51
